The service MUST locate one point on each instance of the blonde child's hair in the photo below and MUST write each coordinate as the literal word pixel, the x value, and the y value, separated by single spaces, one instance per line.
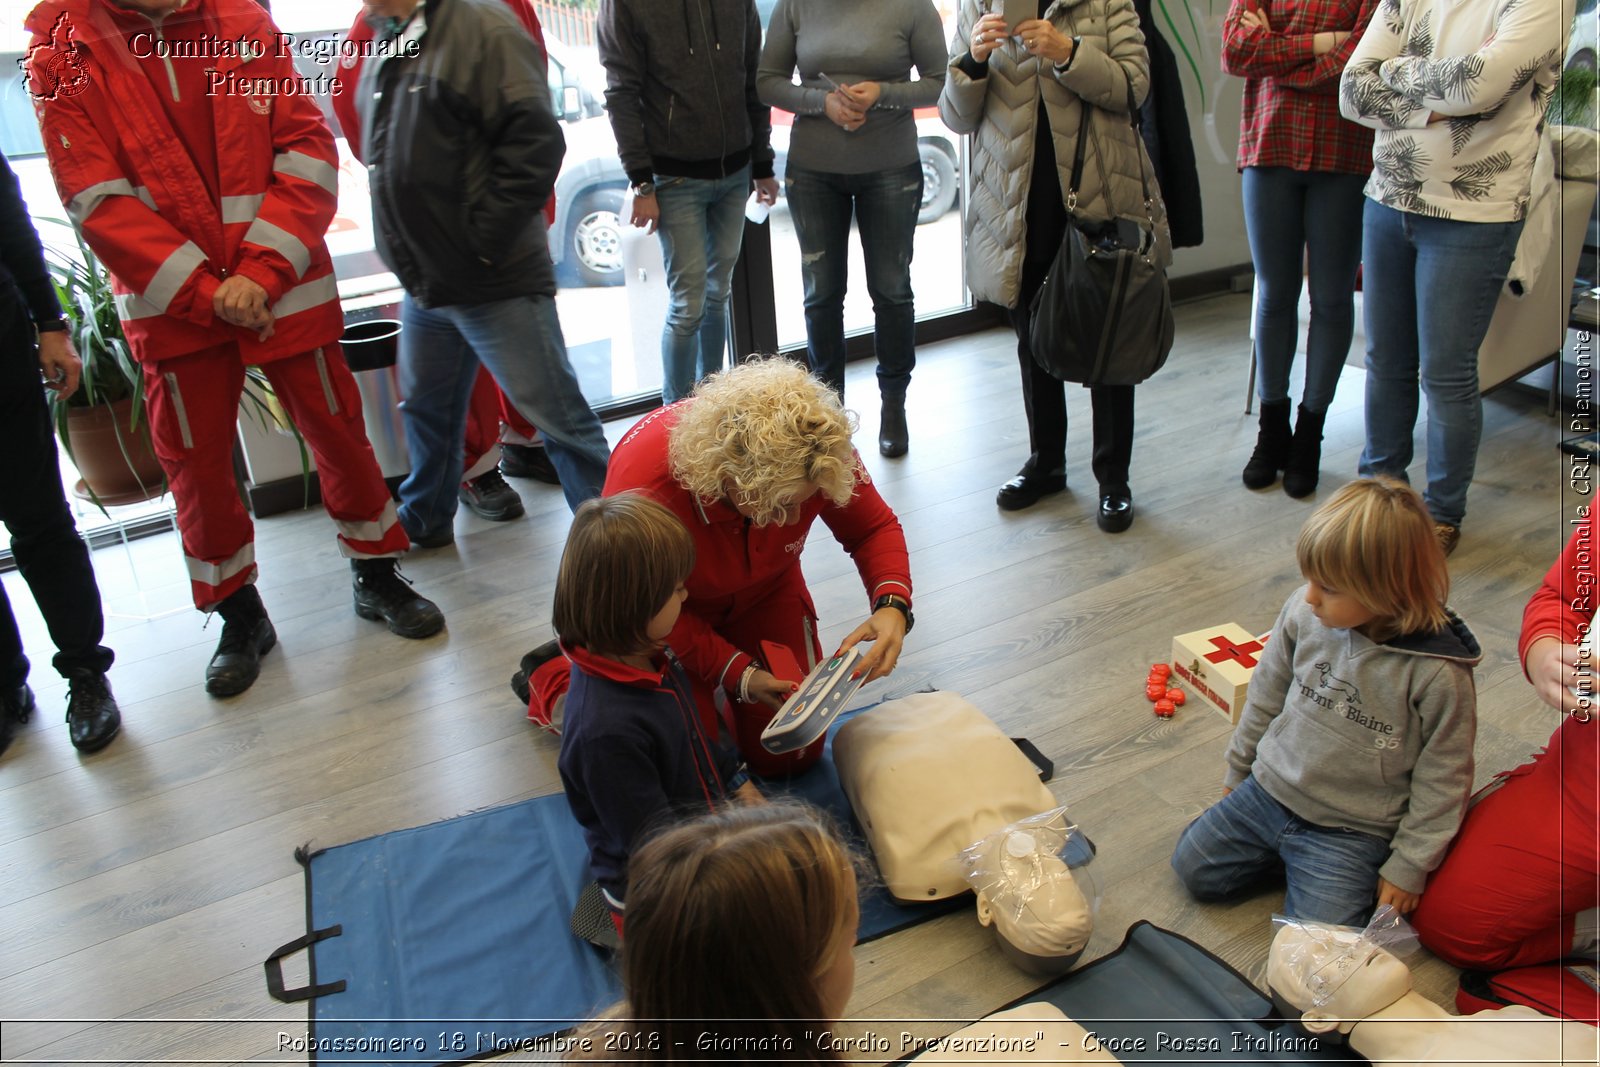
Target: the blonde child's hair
pixel 758 433
pixel 1373 539
pixel 625 556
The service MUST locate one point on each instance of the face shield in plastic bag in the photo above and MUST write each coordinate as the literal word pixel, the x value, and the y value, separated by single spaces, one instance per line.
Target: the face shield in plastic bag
pixel 1036 890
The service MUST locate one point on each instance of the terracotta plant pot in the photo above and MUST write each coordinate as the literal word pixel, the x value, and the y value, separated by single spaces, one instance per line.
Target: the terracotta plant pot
pixel 115 476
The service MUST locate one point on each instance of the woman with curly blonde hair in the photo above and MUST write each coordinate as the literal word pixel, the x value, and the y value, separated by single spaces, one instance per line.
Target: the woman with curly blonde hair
pixel 747 463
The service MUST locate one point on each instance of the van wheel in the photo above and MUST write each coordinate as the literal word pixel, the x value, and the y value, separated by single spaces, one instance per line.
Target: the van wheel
pixel 594 238
pixel 938 183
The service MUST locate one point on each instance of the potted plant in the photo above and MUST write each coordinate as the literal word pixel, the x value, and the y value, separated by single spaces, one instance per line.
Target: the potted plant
pixel 102 426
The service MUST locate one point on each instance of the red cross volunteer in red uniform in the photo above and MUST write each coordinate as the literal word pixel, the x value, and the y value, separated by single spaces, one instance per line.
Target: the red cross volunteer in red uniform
pixel 188 153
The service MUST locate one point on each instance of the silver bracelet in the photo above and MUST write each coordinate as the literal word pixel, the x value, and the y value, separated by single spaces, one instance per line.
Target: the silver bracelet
pixel 744 684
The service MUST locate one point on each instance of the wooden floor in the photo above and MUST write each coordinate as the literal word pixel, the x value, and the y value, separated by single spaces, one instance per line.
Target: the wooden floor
pixel 150 881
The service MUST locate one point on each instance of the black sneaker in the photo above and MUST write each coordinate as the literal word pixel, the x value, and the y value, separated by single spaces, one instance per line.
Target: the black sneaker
pixel 528 461
pixel 489 495
pixel 247 635
pixel 531 662
pixel 382 594
pixel 93 718
pixel 16 706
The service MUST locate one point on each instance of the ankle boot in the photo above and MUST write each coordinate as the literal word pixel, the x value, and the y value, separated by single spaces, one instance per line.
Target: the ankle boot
pixel 892 431
pixel 1272 446
pixel 382 594
pixel 247 635
pixel 1305 454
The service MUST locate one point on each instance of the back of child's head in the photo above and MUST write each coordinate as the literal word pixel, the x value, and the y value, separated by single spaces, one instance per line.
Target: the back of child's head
pixel 625 556
pixel 1373 539
pixel 732 916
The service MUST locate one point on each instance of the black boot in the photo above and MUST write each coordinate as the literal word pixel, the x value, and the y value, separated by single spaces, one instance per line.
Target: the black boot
pixel 382 594
pixel 1305 454
pixel 531 662
pixel 247 635
pixel 93 717
pixel 16 706
pixel 1272 446
pixel 892 432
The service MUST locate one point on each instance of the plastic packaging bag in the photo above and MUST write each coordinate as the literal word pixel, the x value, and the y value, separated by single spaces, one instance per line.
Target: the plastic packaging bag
pixel 1338 975
pixel 1036 888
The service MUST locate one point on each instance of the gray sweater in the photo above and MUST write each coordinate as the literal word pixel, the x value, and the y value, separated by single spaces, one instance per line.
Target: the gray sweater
pixel 1371 737
pixel 851 41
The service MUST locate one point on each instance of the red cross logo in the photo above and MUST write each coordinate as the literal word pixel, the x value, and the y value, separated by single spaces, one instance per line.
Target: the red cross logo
pixel 1227 650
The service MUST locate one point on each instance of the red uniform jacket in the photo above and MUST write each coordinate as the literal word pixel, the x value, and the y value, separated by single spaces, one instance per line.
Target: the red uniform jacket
pixel 1564 605
pixel 734 558
pixel 151 213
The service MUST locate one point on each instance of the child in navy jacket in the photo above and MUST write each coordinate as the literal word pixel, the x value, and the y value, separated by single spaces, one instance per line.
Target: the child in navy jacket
pixel 633 751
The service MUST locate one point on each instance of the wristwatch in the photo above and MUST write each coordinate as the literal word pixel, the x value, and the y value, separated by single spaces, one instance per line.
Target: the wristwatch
pixel 900 604
pixel 644 188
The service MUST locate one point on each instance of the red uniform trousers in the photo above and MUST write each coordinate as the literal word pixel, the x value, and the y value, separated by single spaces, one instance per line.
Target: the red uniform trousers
pixel 487 412
pixel 779 611
pixel 1524 863
pixel 193 404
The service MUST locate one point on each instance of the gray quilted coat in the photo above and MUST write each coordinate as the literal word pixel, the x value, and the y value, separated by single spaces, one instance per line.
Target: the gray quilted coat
pixel 1000 112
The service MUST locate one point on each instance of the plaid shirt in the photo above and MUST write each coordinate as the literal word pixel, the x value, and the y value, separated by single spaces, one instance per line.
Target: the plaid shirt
pixel 1291 114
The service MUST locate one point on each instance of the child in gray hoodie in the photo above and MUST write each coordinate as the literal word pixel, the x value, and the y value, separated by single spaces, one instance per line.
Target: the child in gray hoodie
pixel 1351 766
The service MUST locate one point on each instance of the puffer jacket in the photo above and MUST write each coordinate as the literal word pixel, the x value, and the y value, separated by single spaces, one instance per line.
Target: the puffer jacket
pixel 1001 110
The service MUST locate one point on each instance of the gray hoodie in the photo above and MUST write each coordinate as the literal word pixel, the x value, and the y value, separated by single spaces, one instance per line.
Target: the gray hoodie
pixel 1371 737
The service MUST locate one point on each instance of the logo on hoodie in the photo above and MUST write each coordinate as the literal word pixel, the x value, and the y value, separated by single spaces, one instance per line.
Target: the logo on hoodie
pixel 1343 698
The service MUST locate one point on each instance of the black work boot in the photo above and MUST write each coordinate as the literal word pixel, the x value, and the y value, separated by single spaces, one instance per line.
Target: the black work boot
pixel 531 662
pixel 93 717
pixel 528 461
pixel 247 635
pixel 1272 446
pixel 16 706
pixel 892 433
pixel 1305 454
pixel 382 594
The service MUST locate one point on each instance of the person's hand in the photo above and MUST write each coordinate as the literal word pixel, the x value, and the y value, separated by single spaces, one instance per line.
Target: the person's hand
pixel 843 111
pixel 1041 38
pixel 1391 894
pixel 1254 20
pixel 243 303
pixel 767 191
pixel 862 94
pixel 987 33
pixel 1552 667
pixel 59 362
pixel 886 629
pixel 646 212
pixel 768 690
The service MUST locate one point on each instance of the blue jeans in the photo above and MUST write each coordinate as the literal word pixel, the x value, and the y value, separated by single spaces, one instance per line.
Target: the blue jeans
pixel 701 227
pixel 1289 214
pixel 1247 836
pixel 885 205
pixel 1429 290
pixel 520 342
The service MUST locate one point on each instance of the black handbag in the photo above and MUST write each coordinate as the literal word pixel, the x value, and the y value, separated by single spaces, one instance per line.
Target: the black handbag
pixel 1103 315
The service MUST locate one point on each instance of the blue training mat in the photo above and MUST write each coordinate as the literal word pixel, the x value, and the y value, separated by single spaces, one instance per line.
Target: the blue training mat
pixel 449 942
pixel 1159 998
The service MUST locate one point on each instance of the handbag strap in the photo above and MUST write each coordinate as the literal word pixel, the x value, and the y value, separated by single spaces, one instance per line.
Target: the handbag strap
pixel 1136 120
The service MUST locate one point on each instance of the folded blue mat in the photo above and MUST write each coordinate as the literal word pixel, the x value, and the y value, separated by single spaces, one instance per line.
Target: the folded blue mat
pixel 450 941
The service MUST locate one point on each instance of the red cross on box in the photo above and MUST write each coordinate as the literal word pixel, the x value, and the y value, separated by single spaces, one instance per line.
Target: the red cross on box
pixel 1227 650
